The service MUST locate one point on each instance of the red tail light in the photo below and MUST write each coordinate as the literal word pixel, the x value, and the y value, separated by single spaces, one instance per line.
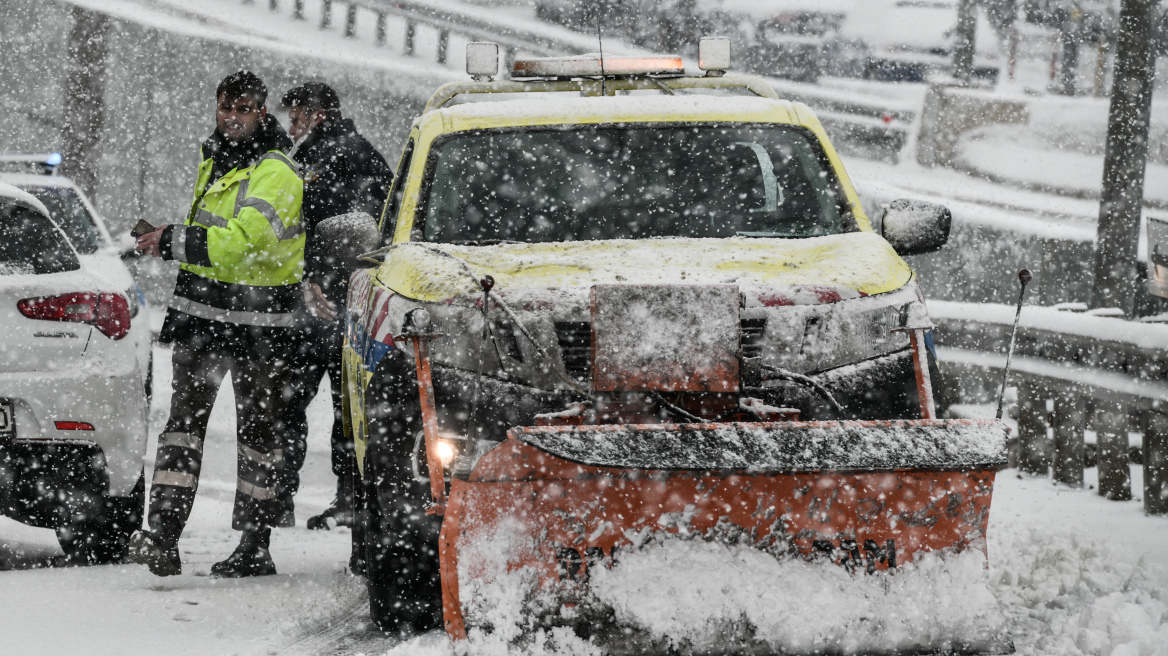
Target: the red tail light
pixel 110 313
pixel 74 425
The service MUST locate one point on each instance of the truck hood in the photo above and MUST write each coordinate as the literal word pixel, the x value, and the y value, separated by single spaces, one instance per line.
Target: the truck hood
pixel 769 271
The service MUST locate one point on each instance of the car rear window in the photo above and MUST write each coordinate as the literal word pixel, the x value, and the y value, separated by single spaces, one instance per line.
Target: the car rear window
pixel 66 208
pixel 30 243
pixel 632 182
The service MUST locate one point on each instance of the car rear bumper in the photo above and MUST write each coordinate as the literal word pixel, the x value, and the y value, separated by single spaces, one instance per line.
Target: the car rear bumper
pixel 115 405
pixel 46 483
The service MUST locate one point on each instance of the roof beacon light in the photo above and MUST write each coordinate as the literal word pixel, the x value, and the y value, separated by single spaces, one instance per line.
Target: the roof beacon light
pixel 482 60
pixel 714 55
pixel 588 65
pixel 47 162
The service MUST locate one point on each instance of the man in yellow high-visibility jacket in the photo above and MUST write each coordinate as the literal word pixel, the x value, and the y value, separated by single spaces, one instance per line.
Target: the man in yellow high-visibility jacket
pixel 241 251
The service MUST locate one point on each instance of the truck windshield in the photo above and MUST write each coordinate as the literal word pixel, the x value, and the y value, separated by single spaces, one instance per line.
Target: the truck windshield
pixel 631 183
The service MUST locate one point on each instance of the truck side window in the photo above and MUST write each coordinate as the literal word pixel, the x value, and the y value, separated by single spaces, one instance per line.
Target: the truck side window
pixel 393 201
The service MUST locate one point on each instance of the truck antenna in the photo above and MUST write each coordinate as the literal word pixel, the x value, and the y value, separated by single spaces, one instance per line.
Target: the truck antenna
pixel 600 40
pixel 1023 277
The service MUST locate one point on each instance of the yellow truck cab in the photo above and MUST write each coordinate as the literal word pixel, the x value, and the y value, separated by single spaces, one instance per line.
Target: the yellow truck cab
pixel 514 198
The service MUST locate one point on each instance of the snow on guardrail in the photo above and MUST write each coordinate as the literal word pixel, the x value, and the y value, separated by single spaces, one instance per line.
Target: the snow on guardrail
pixel 1072 371
pixel 1102 357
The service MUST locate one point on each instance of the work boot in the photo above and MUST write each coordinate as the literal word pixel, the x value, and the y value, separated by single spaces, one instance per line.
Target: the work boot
pixel 149 549
pixel 250 558
pixel 341 510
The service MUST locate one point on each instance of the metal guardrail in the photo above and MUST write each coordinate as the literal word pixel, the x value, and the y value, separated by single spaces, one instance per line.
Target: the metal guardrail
pixel 446 19
pixel 861 127
pixel 1103 372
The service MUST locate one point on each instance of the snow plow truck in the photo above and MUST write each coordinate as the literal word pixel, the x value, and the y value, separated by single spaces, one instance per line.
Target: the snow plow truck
pixel 633 372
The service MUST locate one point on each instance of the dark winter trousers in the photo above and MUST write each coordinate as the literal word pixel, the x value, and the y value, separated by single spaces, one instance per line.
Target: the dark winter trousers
pixel 319 354
pixel 261 392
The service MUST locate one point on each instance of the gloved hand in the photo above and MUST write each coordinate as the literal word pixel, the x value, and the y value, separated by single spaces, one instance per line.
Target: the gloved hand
pixel 148 243
pixel 314 299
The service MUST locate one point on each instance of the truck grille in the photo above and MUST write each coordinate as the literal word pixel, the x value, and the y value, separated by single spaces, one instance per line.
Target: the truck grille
pixel 752 332
pixel 575 338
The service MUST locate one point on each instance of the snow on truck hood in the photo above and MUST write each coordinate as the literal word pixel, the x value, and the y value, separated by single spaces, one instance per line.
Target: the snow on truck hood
pixel 769 271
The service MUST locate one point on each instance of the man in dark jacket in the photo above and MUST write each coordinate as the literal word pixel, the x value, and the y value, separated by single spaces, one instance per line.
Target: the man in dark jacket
pixel 342 173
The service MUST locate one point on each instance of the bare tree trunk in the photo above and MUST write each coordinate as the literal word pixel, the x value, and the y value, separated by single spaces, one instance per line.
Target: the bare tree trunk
pixel 1125 160
pixel 84 110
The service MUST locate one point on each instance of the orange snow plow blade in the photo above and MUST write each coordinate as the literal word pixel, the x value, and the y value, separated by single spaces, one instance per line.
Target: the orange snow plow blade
pixel 554 508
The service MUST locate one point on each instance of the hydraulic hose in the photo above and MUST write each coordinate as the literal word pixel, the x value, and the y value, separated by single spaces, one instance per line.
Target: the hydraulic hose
pixel 681 412
pixel 783 374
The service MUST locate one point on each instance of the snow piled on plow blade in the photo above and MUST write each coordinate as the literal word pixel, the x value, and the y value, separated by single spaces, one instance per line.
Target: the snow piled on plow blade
pixel 692 596
pixel 695 596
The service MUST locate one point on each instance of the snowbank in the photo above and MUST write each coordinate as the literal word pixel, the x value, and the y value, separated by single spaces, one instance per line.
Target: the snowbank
pixel 1016 154
pixel 695 596
pixel 1076 574
pixel 722 594
pixel 1073 574
pixel 1078 600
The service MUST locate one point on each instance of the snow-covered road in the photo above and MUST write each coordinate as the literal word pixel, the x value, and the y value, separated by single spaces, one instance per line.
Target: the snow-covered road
pixel 126 610
pixel 1074 574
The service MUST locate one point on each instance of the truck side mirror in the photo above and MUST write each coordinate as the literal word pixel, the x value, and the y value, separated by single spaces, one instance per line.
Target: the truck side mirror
pixel 913 227
pixel 345 236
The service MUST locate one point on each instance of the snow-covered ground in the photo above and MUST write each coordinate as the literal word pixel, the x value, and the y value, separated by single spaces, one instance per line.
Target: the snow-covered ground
pixel 1073 573
pixel 126 610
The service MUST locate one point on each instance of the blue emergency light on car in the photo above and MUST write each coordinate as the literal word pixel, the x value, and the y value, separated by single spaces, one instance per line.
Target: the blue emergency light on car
pixel 48 162
pixel 52 161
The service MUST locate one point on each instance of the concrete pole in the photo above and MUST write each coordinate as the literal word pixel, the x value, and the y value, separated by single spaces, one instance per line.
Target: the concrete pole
pixel 411 34
pixel 1155 463
pixel 1032 447
pixel 326 14
pixel 1113 458
pixel 84 106
pixel 963 41
pixel 1124 160
pixel 351 21
pixel 1069 419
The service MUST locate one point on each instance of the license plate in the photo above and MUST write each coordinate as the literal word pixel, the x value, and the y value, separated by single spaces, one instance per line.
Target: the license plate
pixel 7 419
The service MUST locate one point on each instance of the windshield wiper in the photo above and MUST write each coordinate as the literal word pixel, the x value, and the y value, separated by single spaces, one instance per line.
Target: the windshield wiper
pixel 778 235
pixel 483 242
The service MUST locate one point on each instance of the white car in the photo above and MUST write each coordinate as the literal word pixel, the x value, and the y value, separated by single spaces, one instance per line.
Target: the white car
pixel 100 254
pixel 72 401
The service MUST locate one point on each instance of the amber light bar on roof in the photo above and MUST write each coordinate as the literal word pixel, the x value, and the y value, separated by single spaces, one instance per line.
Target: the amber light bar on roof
pixel 588 65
